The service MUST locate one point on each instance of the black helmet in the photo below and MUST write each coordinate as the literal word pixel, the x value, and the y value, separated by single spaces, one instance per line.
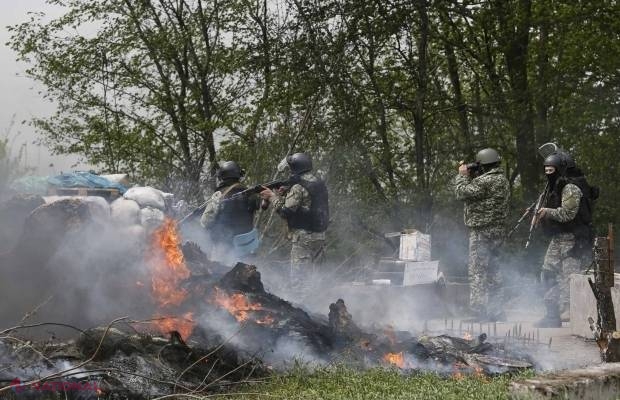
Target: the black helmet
pixel 569 161
pixel 299 163
pixel 487 156
pixel 229 170
pixel 556 160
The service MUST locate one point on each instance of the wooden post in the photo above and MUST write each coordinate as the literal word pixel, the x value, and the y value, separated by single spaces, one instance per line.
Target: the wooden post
pixel 607 338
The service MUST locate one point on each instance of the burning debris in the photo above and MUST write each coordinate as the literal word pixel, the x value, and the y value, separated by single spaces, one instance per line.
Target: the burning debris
pixel 210 326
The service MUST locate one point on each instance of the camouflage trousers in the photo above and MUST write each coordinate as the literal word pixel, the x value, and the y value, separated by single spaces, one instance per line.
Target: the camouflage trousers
pixel 306 258
pixel 485 281
pixel 558 265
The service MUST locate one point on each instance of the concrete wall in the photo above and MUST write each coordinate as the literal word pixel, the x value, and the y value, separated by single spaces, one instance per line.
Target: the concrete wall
pixel 583 304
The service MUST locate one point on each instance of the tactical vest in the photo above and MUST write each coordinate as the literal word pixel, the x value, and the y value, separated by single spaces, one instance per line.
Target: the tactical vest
pixel 581 225
pixel 233 217
pixel 316 218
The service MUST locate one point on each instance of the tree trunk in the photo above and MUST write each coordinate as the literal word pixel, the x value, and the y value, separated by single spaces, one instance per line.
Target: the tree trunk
pixel 515 40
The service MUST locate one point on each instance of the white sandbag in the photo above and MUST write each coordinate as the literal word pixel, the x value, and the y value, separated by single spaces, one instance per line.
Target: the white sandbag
pixel 125 212
pixel 146 196
pixel 151 218
pixel 99 208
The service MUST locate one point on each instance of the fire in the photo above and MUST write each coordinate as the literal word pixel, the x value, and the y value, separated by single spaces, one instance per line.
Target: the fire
pixel 456 371
pixel 479 373
pixel 169 268
pixel 238 305
pixel 467 336
pixel 168 272
pixel 184 325
pixel 397 359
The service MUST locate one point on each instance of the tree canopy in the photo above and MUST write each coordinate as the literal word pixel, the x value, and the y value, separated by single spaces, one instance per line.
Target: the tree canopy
pixel 388 95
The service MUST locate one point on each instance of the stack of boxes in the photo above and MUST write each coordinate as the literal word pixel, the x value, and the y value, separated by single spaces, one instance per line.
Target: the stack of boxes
pixel 413 266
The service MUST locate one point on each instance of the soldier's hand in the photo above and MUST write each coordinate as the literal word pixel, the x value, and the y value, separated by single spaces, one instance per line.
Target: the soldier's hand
pixel 541 214
pixel 267 194
pixel 463 169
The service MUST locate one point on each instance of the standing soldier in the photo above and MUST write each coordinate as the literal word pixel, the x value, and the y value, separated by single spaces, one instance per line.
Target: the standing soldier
pixel 305 207
pixel 567 219
pixel 486 199
pixel 226 218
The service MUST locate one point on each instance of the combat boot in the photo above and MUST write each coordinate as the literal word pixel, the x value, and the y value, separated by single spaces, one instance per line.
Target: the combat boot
pixel 551 318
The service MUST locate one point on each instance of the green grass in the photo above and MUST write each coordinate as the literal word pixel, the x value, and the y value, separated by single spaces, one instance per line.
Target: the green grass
pixel 338 383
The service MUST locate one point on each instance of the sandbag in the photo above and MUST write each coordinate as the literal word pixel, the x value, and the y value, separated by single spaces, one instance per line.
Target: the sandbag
pixel 125 212
pixel 146 196
pixel 151 218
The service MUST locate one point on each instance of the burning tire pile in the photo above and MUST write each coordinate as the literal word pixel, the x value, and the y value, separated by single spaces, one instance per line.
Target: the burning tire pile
pixel 210 327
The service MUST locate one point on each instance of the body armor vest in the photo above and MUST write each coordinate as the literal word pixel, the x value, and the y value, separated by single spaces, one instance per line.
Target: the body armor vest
pixel 316 219
pixel 234 216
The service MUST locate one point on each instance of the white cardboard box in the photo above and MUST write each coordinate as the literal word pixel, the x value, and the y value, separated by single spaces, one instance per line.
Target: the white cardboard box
pixel 420 272
pixel 415 246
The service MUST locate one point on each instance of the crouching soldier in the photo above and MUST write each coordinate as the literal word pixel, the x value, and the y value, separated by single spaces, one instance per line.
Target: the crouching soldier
pixel 229 219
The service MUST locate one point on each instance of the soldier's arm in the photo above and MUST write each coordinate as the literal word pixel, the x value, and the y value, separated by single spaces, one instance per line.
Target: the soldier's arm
pixel 466 189
pixel 571 198
pixel 208 216
pixel 285 206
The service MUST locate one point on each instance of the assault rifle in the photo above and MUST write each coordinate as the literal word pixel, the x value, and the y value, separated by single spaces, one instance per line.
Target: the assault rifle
pixel 542 199
pixel 261 186
pixel 247 192
pixel 523 217
pixel 533 209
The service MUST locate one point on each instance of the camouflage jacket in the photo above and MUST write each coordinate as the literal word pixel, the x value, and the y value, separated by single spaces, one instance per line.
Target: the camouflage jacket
pixel 213 206
pixel 571 198
pixel 297 196
pixel 486 199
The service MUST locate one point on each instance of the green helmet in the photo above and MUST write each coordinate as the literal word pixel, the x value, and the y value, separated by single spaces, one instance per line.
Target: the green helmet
pixel 487 156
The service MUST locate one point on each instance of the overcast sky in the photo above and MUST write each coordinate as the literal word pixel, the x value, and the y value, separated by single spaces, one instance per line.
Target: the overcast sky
pixel 19 98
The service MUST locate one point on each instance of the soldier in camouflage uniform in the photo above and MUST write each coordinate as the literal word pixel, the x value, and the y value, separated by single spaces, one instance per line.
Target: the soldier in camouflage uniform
pixel 306 211
pixel 567 218
pixel 224 217
pixel 486 208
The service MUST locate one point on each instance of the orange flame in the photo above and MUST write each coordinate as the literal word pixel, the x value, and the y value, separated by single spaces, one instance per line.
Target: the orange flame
pixel 184 325
pixel 237 304
pixel 456 371
pixel 169 268
pixel 397 359
pixel 479 373
pixel 168 271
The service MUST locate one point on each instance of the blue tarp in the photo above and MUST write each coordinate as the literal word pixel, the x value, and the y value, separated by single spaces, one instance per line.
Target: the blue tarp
pixel 84 179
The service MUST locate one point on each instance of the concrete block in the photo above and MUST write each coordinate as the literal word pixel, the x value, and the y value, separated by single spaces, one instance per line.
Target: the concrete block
pixel 600 382
pixel 583 303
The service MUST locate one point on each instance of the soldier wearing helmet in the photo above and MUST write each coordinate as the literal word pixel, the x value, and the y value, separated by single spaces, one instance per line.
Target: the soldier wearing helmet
pixel 305 207
pixel 486 198
pixel 567 219
pixel 223 217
